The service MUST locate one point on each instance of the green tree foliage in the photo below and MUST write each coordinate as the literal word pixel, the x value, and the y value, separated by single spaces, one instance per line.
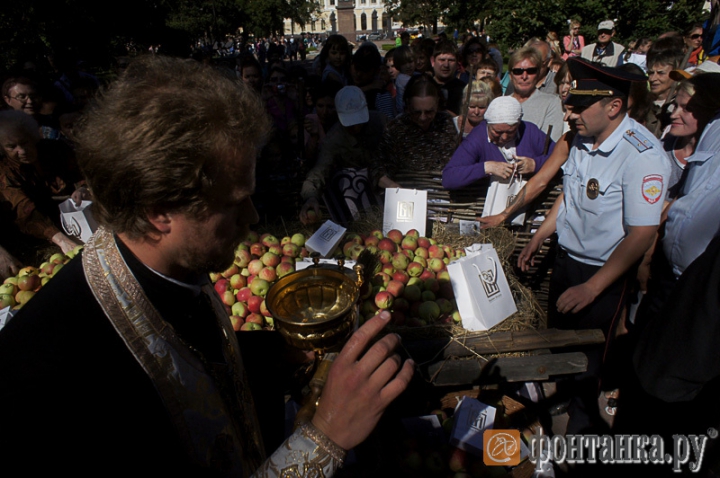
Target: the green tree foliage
pixel 512 22
pixel 417 12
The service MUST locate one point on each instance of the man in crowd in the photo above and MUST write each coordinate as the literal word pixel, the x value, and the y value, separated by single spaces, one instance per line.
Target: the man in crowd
pixel 604 50
pixel 542 109
pixel 606 218
pixel 127 361
pixel 444 63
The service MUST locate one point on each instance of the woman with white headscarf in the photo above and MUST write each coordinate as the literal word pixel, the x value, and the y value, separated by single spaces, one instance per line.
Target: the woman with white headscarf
pixel 500 146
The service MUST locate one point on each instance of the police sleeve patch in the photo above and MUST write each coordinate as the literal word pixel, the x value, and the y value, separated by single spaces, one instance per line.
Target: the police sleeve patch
pixel 652 187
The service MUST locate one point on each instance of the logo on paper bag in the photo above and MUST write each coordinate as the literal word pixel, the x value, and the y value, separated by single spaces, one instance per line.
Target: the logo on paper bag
pixel 488 278
pixel 327 235
pixel 405 211
pixel 511 200
pixel 73 228
pixel 501 447
pixel 479 422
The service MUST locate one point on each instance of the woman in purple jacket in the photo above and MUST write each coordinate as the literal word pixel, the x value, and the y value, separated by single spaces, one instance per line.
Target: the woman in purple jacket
pixel 499 146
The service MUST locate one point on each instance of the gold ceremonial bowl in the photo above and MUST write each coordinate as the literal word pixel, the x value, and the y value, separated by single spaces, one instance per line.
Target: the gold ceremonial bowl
pixel 314 309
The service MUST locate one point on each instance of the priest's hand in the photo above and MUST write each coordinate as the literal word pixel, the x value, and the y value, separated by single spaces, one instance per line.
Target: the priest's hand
pixel 361 384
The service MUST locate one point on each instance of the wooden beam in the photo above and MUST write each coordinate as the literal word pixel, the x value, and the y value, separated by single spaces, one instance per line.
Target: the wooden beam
pixel 500 342
pixel 506 369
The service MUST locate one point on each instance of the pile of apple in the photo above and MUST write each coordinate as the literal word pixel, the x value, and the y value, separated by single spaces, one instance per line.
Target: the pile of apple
pixel 17 291
pixel 413 281
pixel 259 262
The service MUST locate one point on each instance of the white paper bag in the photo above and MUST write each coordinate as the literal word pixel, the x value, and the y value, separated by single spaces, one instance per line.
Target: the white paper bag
pixel 5 315
pixel 77 221
pixel 325 239
pixel 481 290
pixel 472 418
pixel 405 209
pixel 500 195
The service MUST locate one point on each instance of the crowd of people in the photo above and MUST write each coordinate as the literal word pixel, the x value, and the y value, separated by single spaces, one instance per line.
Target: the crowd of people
pixel 167 153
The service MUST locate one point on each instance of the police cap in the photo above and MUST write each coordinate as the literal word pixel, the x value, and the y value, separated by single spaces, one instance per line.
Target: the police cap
pixel 593 82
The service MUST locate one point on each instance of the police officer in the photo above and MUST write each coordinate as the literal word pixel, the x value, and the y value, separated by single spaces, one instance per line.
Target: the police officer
pixel 613 188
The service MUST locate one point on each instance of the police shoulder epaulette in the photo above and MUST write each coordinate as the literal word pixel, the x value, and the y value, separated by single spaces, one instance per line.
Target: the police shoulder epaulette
pixel 639 141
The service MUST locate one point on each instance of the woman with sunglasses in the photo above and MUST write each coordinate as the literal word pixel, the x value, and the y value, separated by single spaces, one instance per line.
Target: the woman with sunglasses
pixel 693 41
pixel 542 109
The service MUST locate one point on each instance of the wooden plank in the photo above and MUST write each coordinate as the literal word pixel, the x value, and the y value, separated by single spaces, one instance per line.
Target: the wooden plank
pixel 506 369
pixel 501 342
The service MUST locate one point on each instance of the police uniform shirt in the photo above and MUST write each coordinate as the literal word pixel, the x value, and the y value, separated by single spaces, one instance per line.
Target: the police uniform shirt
pixel 621 183
pixel 694 217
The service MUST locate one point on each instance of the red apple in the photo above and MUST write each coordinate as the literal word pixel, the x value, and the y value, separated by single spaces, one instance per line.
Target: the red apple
pixel 291 250
pixel 427 274
pixel 372 241
pixel 285 240
pixel 259 286
pixel 395 236
pixel 268 274
pixel 255 318
pixel 230 271
pixel 285 268
pixel 387 245
pixel 385 256
pixel 242 258
pixel 436 252
pixel 240 309
pixel 270 259
pixel 395 287
pixel 298 239
pixel 388 269
pixel 414 269
pixel 228 297
pixel 422 252
pixel 384 300
pixel 401 276
pixel 237 322
pixel 221 286
pixel 255 266
pixel 269 240
pixel 238 281
pixel 400 261
pixel 381 278
pixel 244 294
pixel 436 265
pixel 424 242
pixel 264 310
pixel 409 242
pixel 254 303
pixel 29 282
